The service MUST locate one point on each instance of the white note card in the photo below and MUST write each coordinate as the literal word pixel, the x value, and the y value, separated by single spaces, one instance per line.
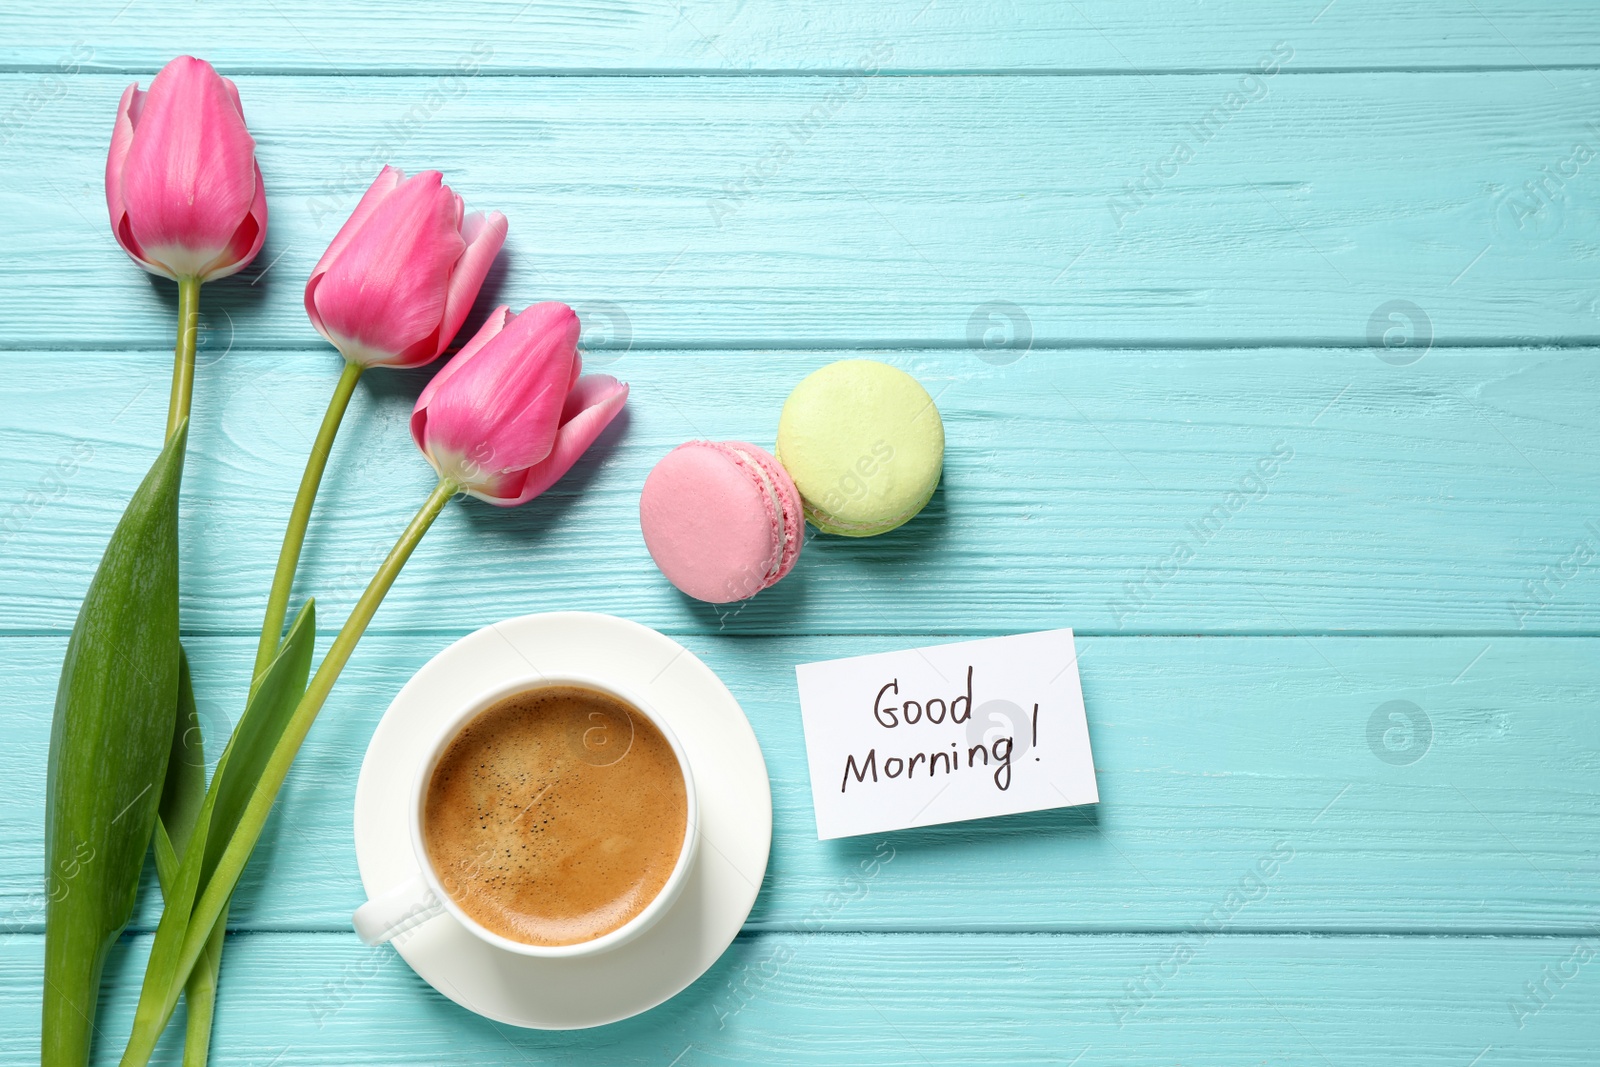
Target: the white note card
pixel 947 733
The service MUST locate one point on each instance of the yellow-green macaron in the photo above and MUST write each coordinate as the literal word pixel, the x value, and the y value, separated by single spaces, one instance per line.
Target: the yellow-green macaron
pixel 864 445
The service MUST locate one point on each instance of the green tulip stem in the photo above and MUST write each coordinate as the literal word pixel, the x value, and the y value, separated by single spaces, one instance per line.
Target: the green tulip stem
pixel 294 537
pixel 220 886
pixel 201 989
pixel 183 353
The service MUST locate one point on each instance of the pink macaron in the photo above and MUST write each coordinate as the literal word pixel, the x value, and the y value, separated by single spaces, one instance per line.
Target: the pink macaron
pixel 722 519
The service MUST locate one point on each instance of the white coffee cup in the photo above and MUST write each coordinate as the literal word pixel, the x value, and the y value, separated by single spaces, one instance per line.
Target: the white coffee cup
pixel 423 896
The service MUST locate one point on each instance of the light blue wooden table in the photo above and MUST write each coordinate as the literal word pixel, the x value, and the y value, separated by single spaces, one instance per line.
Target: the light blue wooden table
pixel 1131 248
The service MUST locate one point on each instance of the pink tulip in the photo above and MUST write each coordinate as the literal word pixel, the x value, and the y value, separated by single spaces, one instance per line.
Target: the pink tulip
pixel 182 182
pixel 508 416
pixel 401 274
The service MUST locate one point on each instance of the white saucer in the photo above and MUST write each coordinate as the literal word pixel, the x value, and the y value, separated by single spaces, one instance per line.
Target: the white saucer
pixel 735 821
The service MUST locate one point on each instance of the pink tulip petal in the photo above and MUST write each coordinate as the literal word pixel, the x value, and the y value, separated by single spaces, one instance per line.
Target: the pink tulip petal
pixel 121 140
pixel 498 489
pixel 591 391
pixel 418 353
pixel 188 179
pixel 497 320
pixel 384 295
pixel 233 91
pixel 385 183
pixel 503 407
pixel 258 211
pixel 525 436
pixel 590 407
pixel 484 234
pixel 247 239
pixel 128 109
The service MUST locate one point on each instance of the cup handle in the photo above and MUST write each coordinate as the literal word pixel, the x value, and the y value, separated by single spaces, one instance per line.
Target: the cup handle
pixel 406 906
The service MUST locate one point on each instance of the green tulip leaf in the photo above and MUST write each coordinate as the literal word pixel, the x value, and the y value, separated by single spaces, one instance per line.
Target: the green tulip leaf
pixel 270 706
pixel 266 715
pixel 181 801
pixel 109 744
pixel 185 788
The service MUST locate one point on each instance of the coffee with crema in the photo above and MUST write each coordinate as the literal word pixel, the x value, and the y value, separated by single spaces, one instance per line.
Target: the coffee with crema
pixel 555 816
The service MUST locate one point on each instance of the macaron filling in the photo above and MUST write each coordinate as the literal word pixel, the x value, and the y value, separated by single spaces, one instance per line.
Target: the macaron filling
pixel 788 519
pixel 780 529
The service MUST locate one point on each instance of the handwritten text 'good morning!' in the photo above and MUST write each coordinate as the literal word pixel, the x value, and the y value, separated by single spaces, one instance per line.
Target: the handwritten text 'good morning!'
pixel 989 755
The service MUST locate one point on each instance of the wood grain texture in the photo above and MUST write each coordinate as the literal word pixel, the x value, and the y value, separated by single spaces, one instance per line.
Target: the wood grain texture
pixel 324 1000
pixel 805 212
pixel 1423 498
pixel 1213 755
pixel 658 36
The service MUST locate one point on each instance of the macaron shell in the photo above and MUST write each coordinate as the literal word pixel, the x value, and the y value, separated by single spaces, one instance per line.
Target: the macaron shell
pixel 713 524
pixel 831 524
pixel 864 444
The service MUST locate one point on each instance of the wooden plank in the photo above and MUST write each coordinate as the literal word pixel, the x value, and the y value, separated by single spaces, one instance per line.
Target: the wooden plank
pixel 1215 756
pixel 897 211
pixel 724 35
pixel 1111 491
pixel 293 999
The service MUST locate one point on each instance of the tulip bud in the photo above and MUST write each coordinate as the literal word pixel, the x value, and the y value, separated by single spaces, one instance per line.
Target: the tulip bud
pixel 182 182
pixel 401 274
pixel 508 416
